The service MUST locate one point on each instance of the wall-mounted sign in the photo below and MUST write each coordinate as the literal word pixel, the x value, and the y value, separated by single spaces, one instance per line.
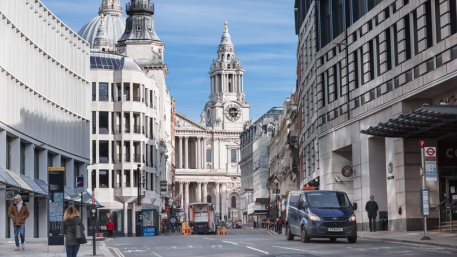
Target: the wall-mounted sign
pixel 390 168
pixel 347 171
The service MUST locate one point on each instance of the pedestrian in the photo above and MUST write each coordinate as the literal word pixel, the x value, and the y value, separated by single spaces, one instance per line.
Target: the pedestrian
pixel 372 209
pixel 173 223
pixel 110 228
pixel 19 212
pixel 280 223
pixel 71 221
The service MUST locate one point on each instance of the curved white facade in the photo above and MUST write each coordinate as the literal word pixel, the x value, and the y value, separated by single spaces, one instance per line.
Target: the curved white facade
pixel 44 102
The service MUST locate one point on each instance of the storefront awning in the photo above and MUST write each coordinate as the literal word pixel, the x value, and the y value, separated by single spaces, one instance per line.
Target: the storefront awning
pixel 430 121
pixel 22 182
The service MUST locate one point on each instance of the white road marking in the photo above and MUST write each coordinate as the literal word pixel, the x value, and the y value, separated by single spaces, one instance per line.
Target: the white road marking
pixel 295 249
pixel 174 247
pixel 228 242
pixel 190 246
pixel 207 238
pixel 255 249
pixel 156 254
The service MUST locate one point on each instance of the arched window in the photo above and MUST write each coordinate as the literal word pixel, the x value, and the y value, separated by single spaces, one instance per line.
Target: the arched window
pixel 228 57
pixel 208 199
pixel 233 202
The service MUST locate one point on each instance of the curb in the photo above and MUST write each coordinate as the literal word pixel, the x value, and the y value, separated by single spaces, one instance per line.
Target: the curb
pixel 429 243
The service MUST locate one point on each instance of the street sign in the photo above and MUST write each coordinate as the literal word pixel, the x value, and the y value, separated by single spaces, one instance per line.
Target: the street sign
pixel 56 180
pixel 425 202
pixel 431 172
pixel 430 152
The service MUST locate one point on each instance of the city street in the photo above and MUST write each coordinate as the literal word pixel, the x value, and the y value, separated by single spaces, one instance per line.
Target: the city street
pixel 244 243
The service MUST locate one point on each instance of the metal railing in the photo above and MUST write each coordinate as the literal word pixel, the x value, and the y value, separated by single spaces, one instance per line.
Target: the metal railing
pixel 447 212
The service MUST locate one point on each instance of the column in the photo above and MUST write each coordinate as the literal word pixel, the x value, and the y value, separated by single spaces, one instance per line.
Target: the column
pixel 57 160
pixel 30 160
pixel 205 192
pixel 203 153
pixel 3 206
pixel 218 202
pixel 199 192
pixel 43 164
pixel 186 199
pixel 126 208
pixel 70 173
pixel 134 207
pixel 186 152
pixel 16 155
pixel 197 153
pixel 43 218
pixel 180 153
pixel 224 200
pixel 2 153
pixel 30 222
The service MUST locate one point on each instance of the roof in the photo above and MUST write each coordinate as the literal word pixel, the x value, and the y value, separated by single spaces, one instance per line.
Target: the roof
pixel 114 24
pixel 430 121
pixel 105 61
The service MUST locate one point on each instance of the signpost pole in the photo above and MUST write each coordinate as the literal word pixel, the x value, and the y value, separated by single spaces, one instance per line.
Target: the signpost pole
pixel 93 214
pixel 422 145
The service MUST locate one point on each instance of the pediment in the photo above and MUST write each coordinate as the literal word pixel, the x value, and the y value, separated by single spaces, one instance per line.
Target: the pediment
pixel 184 123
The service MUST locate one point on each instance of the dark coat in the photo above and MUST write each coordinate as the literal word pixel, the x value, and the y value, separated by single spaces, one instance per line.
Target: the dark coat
pixel 18 217
pixel 372 208
pixel 69 229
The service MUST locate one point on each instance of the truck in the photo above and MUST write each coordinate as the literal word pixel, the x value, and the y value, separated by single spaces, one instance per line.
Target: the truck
pixel 202 218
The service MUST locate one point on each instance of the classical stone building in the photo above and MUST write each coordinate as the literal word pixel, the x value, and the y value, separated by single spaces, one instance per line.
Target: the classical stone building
pixel 131 117
pixel 375 77
pixel 254 165
pixel 44 110
pixel 207 152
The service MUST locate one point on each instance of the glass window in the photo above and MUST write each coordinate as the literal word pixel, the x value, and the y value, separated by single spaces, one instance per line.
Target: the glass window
pixel 103 92
pixel 94 91
pixel 103 122
pixel 208 199
pixel 22 157
pixel 103 178
pixel 328 200
pixel 103 152
pixel 94 122
pixel 234 157
pixel 127 178
pixel 233 202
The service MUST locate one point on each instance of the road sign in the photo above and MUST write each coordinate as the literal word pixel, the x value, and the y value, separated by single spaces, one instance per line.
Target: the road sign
pixel 430 152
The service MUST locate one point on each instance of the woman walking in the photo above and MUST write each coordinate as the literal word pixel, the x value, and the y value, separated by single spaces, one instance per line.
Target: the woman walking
pixel 69 227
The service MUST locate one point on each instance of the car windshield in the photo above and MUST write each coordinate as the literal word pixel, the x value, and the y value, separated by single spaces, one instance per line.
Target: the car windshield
pixel 327 200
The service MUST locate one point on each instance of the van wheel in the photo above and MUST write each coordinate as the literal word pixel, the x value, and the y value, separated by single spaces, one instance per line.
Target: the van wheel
pixel 289 234
pixel 333 239
pixel 352 239
pixel 304 237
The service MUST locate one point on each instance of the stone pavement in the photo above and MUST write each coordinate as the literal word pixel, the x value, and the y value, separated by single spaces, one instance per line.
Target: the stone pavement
pixel 443 239
pixel 38 247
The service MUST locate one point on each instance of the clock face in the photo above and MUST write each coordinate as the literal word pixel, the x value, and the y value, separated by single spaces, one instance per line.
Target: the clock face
pixel 233 112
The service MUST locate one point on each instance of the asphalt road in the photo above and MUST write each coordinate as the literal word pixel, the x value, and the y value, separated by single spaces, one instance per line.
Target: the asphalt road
pixel 249 243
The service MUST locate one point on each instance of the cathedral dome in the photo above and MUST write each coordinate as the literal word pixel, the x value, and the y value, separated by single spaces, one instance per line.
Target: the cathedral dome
pixel 113 20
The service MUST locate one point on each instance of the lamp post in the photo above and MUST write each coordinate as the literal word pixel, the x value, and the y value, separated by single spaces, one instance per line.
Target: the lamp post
pixel 93 213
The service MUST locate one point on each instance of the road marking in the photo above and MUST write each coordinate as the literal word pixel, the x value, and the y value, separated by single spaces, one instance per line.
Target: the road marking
pixel 228 242
pixel 117 252
pixel 174 247
pixel 301 250
pixel 190 246
pixel 255 249
pixel 156 254
pixel 207 238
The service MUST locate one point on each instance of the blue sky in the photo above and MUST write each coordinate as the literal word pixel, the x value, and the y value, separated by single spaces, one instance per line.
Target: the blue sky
pixel 262 32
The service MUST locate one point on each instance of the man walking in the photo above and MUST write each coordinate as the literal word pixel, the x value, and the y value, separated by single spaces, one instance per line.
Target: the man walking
pixel 18 213
pixel 372 209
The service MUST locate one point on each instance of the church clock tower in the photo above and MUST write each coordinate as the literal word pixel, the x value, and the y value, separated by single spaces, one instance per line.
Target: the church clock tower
pixel 227 107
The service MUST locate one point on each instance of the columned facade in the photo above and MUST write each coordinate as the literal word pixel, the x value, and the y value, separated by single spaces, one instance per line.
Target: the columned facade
pixel 208 151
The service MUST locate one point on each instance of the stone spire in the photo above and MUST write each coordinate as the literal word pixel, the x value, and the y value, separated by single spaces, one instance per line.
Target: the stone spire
pixel 110 7
pixel 140 23
pixel 102 42
pixel 226 39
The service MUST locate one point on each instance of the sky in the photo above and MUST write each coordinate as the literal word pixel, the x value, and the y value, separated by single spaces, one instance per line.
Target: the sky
pixel 262 32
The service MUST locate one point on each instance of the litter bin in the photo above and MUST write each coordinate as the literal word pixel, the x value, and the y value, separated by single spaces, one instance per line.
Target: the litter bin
pixel 383 220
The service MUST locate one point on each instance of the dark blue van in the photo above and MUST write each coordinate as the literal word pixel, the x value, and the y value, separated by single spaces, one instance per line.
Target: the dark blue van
pixel 320 214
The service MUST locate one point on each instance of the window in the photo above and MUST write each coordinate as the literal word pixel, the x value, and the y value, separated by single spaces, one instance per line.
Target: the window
pixel 127 178
pixel 103 152
pixel 103 123
pixel 8 152
pixel 233 202
pixel 94 91
pixel 208 155
pixel 103 178
pixel 208 199
pixel 94 151
pixel 36 164
pixel 93 179
pixel 103 92
pixel 234 158
pixel 94 122
pixel 22 156
pixel 151 177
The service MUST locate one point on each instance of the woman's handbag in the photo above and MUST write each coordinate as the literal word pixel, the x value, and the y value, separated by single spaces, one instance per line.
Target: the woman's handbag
pixel 80 236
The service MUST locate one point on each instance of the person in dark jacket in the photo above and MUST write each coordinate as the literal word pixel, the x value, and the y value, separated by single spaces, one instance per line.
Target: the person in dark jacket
pixel 69 224
pixel 372 209
pixel 18 213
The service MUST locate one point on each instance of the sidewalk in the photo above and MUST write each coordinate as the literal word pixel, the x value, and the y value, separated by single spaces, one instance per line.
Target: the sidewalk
pixel 442 239
pixel 38 247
